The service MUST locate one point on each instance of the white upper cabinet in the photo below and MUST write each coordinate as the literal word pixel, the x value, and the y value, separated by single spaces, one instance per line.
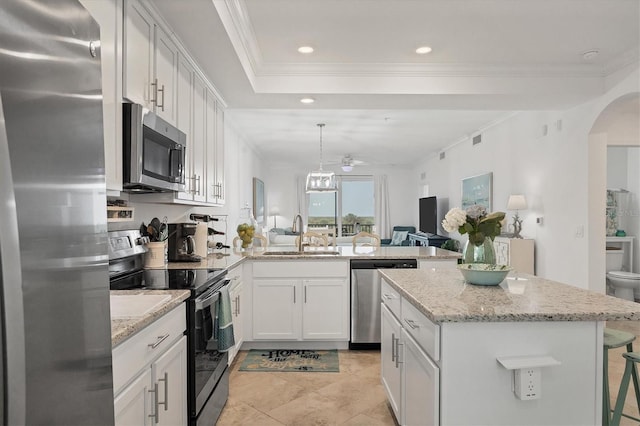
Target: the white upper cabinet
pixel 150 63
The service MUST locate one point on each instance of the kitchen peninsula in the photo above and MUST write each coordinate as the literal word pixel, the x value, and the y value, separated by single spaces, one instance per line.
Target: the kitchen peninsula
pixel 526 352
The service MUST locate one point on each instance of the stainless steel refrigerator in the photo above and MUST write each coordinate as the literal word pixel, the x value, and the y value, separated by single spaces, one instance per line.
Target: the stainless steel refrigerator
pixel 55 344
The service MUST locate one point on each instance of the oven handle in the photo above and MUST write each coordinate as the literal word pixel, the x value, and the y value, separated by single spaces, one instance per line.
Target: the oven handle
pixel 209 298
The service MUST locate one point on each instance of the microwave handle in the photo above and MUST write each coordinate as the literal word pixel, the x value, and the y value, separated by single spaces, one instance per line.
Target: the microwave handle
pixel 179 151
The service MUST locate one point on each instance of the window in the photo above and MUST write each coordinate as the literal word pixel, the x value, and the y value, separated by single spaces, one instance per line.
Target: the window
pixel 350 210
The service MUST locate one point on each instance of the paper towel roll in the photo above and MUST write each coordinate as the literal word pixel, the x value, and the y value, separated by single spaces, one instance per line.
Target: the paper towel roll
pixel 201 239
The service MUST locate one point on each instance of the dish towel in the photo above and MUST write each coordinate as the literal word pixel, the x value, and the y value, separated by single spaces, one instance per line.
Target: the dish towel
pixel 224 321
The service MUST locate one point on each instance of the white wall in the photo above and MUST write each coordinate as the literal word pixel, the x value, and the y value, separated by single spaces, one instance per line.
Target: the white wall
pixel 551 170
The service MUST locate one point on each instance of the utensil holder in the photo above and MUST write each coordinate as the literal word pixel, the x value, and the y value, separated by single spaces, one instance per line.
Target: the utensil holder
pixel 156 255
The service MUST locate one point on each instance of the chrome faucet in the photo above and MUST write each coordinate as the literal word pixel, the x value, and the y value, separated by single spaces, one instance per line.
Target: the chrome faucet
pixel 294 229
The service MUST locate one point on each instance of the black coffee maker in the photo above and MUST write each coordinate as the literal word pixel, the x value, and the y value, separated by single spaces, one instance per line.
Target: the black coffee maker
pixel 181 243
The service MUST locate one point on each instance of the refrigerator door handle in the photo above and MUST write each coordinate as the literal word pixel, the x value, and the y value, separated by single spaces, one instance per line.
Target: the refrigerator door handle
pixel 13 355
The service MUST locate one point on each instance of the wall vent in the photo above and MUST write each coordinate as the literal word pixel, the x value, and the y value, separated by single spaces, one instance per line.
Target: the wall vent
pixel 477 139
pixel 423 175
pixel 442 155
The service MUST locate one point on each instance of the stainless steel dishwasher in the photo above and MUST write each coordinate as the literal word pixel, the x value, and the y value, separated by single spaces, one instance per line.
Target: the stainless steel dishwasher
pixel 365 299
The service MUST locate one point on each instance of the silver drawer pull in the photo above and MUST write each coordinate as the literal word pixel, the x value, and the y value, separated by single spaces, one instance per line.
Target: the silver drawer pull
pixel 155 404
pixel 389 296
pixel 411 323
pixel 158 341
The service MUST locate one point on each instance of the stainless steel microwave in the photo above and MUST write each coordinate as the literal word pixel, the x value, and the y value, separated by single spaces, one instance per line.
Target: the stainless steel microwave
pixel 153 152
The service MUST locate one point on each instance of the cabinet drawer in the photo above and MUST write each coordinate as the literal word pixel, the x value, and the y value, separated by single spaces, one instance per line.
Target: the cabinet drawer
pixel 426 333
pixel 134 354
pixel 390 297
pixel 322 268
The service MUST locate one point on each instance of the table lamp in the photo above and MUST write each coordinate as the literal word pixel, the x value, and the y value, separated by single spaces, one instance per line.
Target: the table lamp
pixel 517 202
pixel 275 211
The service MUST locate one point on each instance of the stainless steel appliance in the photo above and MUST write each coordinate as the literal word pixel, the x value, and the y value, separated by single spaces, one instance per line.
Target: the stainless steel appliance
pixel 153 152
pixel 181 244
pixel 208 375
pixel 55 350
pixel 365 299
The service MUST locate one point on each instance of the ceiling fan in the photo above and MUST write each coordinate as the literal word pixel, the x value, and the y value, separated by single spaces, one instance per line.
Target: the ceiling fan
pixel 347 162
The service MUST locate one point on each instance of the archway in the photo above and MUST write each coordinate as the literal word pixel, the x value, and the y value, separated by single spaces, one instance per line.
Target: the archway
pixel 617 125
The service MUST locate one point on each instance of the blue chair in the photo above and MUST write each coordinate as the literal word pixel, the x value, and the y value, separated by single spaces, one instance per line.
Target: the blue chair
pixel 405 242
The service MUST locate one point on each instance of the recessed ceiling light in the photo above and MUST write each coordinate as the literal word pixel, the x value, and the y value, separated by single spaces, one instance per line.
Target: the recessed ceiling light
pixel 307 100
pixel 590 55
pixel 305 49
pixel 423 50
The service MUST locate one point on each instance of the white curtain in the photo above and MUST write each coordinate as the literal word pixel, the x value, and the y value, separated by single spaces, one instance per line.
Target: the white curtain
pixel 381 194
pixel 303 198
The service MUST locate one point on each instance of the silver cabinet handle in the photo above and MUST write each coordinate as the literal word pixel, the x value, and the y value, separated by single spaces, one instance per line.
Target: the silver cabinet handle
pixel 198 183
pixel 305 294
pixel 158 341
pixel 155 404
pixel 393 347
pixel 166 392
pixel 398 344
pixel 388 296
pixel 238 304
pixel 411 323
pixel 154 90
pixel 294 295
pixel 160 90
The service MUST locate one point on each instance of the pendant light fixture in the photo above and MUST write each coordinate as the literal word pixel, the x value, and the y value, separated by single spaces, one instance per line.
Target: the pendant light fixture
pixel 319 180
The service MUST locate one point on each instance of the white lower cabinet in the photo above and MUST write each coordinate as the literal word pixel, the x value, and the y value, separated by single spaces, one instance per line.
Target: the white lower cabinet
pixel 420 385
pixel 237 310
pixel 410 377
pixel 288 304
pixel 390 367
pixel 150 374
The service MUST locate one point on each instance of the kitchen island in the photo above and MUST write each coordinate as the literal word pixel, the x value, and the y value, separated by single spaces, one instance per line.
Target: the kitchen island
pixel 526 352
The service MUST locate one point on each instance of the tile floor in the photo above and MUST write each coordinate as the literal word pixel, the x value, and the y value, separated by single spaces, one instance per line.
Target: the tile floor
pixel 354 396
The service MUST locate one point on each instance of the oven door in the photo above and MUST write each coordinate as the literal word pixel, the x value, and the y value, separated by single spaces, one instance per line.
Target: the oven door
pixel 209 364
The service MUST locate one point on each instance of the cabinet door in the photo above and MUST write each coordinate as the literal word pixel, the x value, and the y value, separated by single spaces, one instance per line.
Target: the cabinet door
pixel 325 312
pixel 170 375
pixel 132 406
pixel 184 118
pixel 276 311
pixel 199 139
pixel 219 155
pixel 166 75
pixel 420 385
pixel 236 310
pixel 390 365
pixel 210 148
pixel 138 55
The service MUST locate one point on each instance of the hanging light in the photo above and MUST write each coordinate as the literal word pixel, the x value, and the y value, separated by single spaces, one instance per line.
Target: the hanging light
pixel 319 180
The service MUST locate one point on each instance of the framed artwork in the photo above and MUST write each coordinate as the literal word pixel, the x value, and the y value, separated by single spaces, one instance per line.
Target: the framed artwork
pixel 258 201
pixel 477 190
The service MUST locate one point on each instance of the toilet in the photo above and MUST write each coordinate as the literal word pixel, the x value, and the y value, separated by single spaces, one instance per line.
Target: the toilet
pixel 622 282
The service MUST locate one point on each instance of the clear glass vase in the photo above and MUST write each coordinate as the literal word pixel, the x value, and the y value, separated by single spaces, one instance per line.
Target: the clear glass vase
pixel 483 253
pixel 246 228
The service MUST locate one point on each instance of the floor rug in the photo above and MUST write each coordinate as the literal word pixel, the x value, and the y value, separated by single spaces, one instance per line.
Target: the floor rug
pixel 291 360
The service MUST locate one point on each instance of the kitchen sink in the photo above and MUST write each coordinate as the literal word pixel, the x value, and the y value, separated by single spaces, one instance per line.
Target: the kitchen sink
pixel 298 253
pixel 135 306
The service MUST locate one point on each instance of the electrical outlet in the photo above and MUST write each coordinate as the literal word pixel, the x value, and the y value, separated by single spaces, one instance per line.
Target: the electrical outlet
pixel 528 383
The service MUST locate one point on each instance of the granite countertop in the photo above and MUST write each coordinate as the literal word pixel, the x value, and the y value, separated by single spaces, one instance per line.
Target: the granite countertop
pixel 122 329
pixel 349 252
pixel 443 296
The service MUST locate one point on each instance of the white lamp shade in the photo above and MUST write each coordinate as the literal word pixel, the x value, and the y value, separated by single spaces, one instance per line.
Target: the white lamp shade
pixel 517 202
pixel 274 211
pixel 321 181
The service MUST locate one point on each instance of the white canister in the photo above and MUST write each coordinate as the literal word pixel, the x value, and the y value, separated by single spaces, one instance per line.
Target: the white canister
pixel 200 237
pixel 156 255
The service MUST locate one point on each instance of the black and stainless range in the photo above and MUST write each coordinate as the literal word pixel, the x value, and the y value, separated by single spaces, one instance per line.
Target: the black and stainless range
pixel 208 375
